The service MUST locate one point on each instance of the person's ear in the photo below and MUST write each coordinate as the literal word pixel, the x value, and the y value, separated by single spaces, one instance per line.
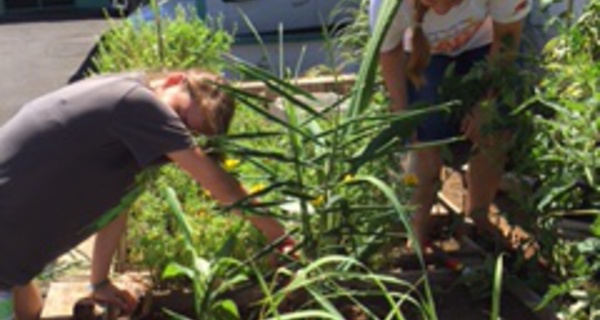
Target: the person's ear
pixel 174 79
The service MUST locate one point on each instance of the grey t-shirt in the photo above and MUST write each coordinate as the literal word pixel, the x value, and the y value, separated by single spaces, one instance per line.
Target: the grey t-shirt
pixel 68 157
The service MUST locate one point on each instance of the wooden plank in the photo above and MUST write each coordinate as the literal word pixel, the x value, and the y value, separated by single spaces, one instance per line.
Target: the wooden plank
pixel 452 207
pixel 62 298
pixel 338 84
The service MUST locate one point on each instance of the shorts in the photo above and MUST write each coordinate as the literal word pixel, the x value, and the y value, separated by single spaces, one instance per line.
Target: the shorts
pixel 442 125
pixel 6 306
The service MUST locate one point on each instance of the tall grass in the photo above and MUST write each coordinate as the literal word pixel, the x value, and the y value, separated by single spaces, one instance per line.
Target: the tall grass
pixel 323 170
pixel 182 42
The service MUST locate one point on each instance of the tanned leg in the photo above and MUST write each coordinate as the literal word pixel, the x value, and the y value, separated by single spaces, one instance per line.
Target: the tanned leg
pixel 28 302
pixel 427 166
pixel 486 168
pixel 483 178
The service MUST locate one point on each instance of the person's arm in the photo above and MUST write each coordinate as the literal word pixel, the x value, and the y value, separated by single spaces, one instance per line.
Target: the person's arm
pixel 105 246
pixel 506 42
pixel 222 186
pixel 504 51
pixel 393 70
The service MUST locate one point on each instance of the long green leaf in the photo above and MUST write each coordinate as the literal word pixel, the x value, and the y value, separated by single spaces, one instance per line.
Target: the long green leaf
pixel 176 316
pixel 306 314
pixel 497 289
pixel 261 110
pixel 175 207
pixel 397 132
pixel 391 196
pixel 283 88
pixel 258 38
pixel 325 303
pixel 363 87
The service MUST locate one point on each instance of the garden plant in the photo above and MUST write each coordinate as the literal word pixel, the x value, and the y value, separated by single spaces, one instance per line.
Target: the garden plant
pixel 331 174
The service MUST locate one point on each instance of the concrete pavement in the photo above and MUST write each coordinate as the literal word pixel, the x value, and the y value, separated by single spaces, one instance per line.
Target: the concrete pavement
pixel 39 53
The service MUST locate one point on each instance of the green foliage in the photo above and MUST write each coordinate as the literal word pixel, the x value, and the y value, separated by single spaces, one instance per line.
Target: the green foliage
pixel 333 282
pixel 497 291
pixel 564 158
pixel 579 288
pixel 209 278
pixel 305 160
pixel 323 168
pixel 330 170
pixel 566 151
pixel 582 38
pixel 154 241
pixel 300 167
pixel 180 43
pixel 352 37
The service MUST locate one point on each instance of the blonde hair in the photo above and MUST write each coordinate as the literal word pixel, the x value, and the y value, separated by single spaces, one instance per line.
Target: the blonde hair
pixel 217 107
pixel 421 49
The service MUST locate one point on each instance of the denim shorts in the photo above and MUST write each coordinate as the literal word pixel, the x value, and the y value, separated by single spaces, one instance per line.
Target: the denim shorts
pixel 441 125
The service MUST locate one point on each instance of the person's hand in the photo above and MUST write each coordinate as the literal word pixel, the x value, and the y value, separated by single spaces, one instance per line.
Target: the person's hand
pixel 284 253
pixel 109 294
pixel 471 125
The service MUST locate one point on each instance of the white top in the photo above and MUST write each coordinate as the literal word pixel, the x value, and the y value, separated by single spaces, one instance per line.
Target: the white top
pixel 466 26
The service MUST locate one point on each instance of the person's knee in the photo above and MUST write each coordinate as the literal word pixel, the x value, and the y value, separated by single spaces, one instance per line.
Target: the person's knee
pixel 28 302
pixel 428 166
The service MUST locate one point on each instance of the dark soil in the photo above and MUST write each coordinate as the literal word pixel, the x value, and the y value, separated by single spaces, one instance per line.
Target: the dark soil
pixel 454 302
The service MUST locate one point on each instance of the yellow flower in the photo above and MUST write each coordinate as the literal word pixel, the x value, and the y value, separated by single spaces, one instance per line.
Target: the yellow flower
pixel 206 193
pixel 348 178
pixel 231 164
pixel 574 91
pixel 257 188
pixel 410 179
pixel 318 201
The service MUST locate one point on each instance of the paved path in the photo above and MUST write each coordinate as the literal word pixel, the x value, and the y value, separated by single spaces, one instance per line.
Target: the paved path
pixel 39 54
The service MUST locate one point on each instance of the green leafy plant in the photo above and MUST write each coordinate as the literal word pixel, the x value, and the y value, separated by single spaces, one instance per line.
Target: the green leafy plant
pixel 183 42
pixel 328 170
pixel 209 278
pixel 564 159
pixel 335 287
pixel 153 240
pixel 578 290
pixel 352 37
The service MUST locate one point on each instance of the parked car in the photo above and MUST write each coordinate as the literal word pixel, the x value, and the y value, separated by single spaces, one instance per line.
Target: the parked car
pixel 302 20
pixel 265 15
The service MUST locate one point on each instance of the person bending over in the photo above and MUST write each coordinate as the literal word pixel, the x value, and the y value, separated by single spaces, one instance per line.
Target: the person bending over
pixel 69 156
